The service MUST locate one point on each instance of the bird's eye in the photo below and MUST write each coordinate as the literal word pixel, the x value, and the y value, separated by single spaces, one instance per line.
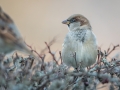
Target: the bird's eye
pixel 73 20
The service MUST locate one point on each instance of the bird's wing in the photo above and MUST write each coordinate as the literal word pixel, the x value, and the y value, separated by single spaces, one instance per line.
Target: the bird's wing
pixel 8 30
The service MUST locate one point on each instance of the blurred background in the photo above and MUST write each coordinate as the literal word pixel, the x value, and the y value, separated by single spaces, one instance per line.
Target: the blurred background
pixel 40 20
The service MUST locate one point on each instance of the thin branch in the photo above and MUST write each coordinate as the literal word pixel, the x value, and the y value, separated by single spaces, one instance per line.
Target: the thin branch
pixel 74 55
pixel 32 61
pixel 114 47
pixel 33 50
pixel 60 57
pixel 49 44
pixel 51 53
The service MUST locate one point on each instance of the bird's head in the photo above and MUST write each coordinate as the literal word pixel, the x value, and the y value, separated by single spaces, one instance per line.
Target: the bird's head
pixel 77 21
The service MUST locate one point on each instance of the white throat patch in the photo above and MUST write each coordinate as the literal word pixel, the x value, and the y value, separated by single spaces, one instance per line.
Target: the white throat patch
pixel 74 26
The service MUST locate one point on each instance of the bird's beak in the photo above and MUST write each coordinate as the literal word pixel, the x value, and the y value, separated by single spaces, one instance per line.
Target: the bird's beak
pixel 65 22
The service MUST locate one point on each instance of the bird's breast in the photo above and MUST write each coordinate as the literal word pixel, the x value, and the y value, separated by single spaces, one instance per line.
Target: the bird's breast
pixel 83 44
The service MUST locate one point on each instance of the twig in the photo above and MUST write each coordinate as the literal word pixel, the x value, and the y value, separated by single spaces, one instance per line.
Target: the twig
pixel 114 47
pixel 60 76
pixel 42 66
pixel 34 51
pixel 61 57
pixel 50 43
pixel 51 53
pixel 98 56
pixel 74 55
pixel 48 80
pixel 32 61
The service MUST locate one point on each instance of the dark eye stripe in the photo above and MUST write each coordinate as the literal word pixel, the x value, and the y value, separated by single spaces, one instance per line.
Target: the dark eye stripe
pixel 72 20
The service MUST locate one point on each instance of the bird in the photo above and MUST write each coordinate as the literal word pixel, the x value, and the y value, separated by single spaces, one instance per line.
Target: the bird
pixel 10 37
pixel 79 49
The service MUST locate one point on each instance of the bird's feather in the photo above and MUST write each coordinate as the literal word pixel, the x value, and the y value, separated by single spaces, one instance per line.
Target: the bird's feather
pixel 86 51
pixel 10 37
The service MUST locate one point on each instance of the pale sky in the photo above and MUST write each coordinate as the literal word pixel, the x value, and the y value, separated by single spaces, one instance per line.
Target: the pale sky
pixel 40 20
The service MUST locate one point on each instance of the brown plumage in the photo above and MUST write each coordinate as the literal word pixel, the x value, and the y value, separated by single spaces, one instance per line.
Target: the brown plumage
pixel 4 17
pixel 80 18
pixel 6 31
pixel 10 38
pixel 81 40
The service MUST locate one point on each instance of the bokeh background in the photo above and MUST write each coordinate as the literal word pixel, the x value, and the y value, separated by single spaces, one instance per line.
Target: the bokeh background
pixel 40 20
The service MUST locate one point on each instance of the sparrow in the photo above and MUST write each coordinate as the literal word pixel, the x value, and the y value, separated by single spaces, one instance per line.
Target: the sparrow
pixel 80 45
pixel 10 37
